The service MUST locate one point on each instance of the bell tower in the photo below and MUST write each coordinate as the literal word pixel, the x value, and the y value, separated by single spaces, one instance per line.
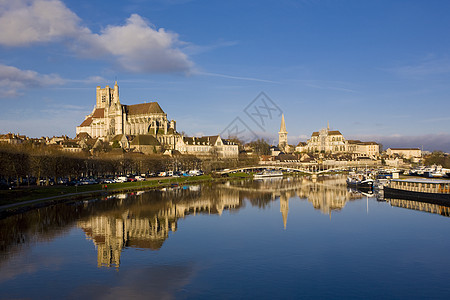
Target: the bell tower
pixel 282 135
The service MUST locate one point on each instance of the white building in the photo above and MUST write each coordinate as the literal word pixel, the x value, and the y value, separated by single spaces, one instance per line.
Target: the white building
pixel 404 152
pixel 207 146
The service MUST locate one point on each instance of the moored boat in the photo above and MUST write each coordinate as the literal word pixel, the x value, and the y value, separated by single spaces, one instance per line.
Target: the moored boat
pixel 268 174
pixel 431 190
pixel 360 182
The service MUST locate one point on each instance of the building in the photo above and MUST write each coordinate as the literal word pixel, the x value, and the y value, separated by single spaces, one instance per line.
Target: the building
pixel 326 141
pixel 145 143
pixel 12 138
pixel 110 118
pixel 369 149
pixel 208 146
pixel 282 136
pixel 404 152
pixel 333 142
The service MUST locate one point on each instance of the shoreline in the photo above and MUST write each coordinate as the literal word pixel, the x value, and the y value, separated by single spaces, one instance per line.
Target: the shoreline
pixel 27 205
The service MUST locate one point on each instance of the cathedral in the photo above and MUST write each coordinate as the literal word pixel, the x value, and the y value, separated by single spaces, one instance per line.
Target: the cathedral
pixel 110 118
pixel 145 128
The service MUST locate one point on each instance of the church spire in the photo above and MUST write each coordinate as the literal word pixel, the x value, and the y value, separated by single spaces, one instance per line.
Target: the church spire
pixel 328 125
pixel 283 125
pixel 284 208
pixel 282 136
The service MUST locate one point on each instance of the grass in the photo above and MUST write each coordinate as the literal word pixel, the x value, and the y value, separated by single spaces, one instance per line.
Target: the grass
pixel 32 193
pixel 240 174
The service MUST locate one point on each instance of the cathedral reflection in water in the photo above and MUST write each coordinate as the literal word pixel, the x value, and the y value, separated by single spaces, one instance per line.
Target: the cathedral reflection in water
pixel 145 224
pixel 144 220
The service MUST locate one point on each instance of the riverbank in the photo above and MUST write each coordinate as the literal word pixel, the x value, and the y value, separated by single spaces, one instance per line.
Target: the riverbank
pixel 24 199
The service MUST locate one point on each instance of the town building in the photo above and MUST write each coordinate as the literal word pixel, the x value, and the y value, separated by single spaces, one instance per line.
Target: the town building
pixel 12 138
pixel 404 152
pixel 333 142
pixel 207 146
pixel 369 149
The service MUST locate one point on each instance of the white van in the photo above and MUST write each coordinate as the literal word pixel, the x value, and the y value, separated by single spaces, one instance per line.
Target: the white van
pixel 122 179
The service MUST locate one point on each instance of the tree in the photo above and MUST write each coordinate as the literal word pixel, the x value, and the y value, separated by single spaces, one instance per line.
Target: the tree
pixel 260 147
pixel 438 158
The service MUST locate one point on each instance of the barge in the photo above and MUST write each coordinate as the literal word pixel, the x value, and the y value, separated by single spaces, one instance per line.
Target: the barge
pixel 429 190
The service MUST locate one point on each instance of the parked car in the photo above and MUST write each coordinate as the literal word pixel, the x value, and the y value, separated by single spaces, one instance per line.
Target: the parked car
pixel 72 183
pixel 4 185
pixel 122 179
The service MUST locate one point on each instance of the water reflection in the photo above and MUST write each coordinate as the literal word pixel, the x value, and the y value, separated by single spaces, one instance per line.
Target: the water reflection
pixel 145 220
pixel 421 206
pixel 149 217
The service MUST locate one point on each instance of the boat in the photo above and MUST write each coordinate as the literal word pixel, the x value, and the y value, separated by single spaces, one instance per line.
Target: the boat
pixel 360 181
pixel 429 190
pixel 267 174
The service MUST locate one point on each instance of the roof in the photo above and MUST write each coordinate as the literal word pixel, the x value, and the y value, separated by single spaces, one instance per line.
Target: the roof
pixel 99 113
pixel 422 180
pixel 301 144
pixel 334 132
pixel 284 157
pixel 145 139
pixel 315 133
pixel 144 108
pixel 404 148
pixel 204 140
pixel 228 142
pixel 119 137
pixel 353 141
pixel 368 143
pixel 86 122
pixel 83 135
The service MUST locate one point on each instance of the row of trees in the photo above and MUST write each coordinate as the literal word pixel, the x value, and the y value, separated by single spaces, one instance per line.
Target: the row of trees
pixel 21 162
pixel 438 158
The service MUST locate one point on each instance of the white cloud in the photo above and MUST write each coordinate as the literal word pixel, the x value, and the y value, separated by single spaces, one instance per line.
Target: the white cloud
pixel 25 22
pixel 430 142
pixel 12 80
pixel 136 46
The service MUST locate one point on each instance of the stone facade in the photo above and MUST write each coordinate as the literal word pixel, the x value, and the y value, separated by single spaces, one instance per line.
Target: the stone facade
pixel 333 142
pixel 404 152
pixel 110 118
pixel 326 140
pixel 208 146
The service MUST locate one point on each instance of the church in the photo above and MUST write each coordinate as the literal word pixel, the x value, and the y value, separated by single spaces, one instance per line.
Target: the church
pixel 145 128
pixel 110 118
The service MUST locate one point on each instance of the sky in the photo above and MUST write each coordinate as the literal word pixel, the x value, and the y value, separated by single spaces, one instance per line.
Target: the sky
pixel 375 70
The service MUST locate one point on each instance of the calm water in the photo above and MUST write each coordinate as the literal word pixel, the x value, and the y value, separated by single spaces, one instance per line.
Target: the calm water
pixel 290 238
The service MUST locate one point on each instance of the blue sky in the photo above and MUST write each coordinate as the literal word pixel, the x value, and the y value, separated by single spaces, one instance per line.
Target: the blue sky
pixel 376 70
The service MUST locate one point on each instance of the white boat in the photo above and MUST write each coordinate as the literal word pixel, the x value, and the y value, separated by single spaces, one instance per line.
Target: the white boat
pixel 360 181
pixel 267 174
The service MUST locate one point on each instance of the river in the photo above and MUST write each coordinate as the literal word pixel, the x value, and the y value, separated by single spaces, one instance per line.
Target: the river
pixel 281 238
